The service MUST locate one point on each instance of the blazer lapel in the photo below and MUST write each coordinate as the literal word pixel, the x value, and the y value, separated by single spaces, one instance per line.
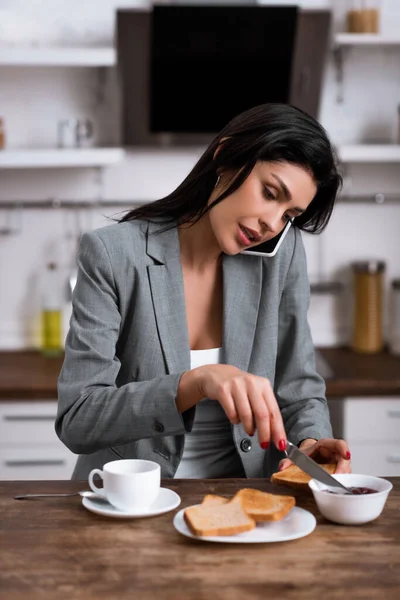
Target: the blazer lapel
pixel 166 282
pixel 242 279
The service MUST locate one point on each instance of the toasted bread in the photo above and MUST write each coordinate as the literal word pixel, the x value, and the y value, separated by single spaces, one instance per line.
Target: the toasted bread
pixel 218 519
pixel 262 506
pixel 214 499
pixel 294 477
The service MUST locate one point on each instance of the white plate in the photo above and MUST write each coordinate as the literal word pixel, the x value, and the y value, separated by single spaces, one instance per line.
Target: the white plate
pixel 166 500
pixel 297 523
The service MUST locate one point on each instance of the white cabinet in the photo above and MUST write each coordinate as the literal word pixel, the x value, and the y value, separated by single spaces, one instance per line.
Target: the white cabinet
pixel 374 419
pixel 371 427
pixel 29 446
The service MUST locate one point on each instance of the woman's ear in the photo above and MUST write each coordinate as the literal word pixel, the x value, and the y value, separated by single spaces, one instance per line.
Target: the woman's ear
pixel 221 143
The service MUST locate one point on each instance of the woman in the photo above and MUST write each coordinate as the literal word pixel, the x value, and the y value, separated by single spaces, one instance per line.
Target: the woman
pixel 182 349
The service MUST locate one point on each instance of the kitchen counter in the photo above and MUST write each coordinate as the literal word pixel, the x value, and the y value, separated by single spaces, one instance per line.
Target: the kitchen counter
pixel 28 375
pixel 54 548
pixel 361 374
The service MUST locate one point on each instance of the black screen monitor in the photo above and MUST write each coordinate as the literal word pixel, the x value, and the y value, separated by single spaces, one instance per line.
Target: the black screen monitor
pixel 208 63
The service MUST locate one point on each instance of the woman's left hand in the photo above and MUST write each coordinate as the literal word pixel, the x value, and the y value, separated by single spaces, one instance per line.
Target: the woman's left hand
pixel 324 451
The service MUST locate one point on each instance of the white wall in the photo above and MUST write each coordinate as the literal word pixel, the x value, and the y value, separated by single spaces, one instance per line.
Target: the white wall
pixel 32 100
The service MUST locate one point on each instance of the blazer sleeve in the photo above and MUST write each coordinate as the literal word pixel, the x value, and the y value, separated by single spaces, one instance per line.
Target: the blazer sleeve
pixel 93 412
pixel 299 389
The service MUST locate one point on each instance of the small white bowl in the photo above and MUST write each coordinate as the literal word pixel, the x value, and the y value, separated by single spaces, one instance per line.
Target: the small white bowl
pixel 352 510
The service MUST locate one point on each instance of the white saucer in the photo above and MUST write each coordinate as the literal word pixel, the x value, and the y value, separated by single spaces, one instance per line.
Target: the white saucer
pixel 166 500
pixel 297 523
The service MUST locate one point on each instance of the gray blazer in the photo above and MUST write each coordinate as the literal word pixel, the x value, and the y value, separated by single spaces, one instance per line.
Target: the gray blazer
pixel 128 346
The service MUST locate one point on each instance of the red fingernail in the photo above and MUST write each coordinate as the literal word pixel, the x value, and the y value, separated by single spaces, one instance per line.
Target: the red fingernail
pixel 265 445
pixel 348 455
pixel 251 434
pixel 281 467
pixel 282 445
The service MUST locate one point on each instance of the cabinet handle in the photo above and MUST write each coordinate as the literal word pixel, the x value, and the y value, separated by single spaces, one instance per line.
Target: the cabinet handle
pixel 34 463
pixel 29 418
pixel 393 458
pixel 393 414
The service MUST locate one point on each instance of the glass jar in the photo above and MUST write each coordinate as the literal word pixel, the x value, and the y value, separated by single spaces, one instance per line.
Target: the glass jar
pixel 363 16
pixel 367 335
pixel 394 321
pixel 354 20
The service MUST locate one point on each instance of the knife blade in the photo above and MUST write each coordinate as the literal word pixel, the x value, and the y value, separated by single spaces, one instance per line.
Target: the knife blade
pixel 309 466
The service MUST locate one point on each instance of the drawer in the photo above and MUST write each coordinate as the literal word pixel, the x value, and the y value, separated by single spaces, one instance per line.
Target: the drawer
pixel 371 419
pixel 27 423
pixel 375 459
pixel 48 462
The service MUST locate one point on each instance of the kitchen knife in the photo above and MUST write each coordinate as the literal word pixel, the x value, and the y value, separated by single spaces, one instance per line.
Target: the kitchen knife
pixel 309 466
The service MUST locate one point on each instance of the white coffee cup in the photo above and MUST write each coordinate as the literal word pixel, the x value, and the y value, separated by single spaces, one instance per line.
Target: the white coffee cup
pixel 129 485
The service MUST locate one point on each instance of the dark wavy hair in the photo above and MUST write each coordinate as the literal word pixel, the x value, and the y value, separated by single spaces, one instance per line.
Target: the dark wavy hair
pixel 269 132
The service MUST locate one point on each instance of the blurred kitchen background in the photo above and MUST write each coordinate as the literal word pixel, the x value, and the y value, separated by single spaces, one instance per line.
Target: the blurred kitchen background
pixel 76 150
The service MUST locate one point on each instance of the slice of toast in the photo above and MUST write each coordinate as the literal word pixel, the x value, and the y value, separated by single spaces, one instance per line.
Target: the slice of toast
pixel 214 499
pixel 294 477
pixel 262 506
pixel 218 519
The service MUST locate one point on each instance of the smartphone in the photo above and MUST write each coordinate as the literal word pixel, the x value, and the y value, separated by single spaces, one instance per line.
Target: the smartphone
pixel 271 247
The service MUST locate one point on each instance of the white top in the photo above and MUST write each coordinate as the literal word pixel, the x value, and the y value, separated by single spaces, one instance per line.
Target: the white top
pixel 209 450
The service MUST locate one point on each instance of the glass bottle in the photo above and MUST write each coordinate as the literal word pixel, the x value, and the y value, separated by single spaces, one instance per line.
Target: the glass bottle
pixel 51 314
pixel 367 335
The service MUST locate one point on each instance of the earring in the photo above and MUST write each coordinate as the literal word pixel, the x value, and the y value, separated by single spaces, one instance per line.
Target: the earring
pixel 217 182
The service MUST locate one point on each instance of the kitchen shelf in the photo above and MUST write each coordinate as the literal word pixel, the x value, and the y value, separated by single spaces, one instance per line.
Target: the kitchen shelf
pixel 53 56
pixel 343 41
pixel 377 198
pixel 365 39
pixel 326 287
pixel 56 157
pixel 63 203
pixel 369 153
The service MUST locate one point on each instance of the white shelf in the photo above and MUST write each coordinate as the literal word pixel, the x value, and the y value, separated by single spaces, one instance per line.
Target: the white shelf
pixel 369 153
pixel 51 56
pixel 55 157
pixel 365 39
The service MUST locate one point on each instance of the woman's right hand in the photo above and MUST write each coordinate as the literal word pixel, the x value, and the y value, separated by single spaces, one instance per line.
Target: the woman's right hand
pixel 247 399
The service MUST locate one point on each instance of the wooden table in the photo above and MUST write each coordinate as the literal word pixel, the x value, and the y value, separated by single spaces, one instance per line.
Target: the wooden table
pixel 55 549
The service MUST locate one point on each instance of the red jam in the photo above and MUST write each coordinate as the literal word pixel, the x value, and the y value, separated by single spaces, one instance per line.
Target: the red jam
pixel 357 491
